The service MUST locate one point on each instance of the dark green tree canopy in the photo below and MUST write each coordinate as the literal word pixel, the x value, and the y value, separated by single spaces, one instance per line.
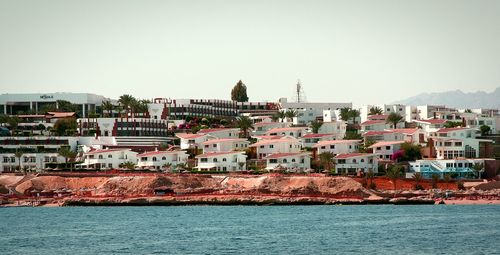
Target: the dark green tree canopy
pixel 239 92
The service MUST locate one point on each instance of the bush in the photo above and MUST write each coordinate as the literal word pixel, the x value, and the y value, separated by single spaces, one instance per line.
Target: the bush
pixel 419 187
pixel 373 185
pixel 460 185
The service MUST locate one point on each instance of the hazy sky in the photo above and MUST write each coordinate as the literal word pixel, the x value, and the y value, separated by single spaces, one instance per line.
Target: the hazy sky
pixel 344 51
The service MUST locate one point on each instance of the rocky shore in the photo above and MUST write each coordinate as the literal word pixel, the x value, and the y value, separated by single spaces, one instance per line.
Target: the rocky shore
pixel 189 189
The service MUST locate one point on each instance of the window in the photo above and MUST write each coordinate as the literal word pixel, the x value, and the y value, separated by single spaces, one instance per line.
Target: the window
pixel 100 157
pixel 236 145
pixel 323 147
pixel 362 160
pixel 25 159
pixel 214 145
pixel 293 160
pixel 32 159
pixel 6 159
pixel 203 160
pixel 110 156
pixel 164 158
pixel 215 159
pixel 332 146
pixel 224 159
pixel 206 146
pixel 262 146
pixel 273 161
pixel 291 133
pixel 271 146
pixel 154 159
pixel 110 165
pixel 285 161
pixel 354 161
pixel 387 147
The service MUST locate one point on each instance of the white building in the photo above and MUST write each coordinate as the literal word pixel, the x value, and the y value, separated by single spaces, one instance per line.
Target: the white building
pixel 450 143
pixel 188 141
pixel 411 135
pixel 430 125
pixel 353 163
pixel 158 159
pixel 294 162
pixel 222 161
pixel 226 144
pixel 221 132
pixel 108 158
pixel 310 140
pixel 295 132
pixel 334 127
pixel 265 148
pixel 262 127
pixel 29 161
pixel 386 110
pixel 385 150
pixel 456 168
pixel 337 147
pixel 308 112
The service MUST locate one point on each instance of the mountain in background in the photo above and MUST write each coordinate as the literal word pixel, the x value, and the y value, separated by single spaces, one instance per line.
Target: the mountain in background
pixel 457 99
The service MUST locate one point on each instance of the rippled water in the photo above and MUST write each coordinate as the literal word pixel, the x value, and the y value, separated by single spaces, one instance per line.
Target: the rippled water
pixel 251 230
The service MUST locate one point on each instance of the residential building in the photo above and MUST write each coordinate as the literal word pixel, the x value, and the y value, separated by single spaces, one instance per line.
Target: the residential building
pixel 225 144
pixel 159 159
pixel 334 127
pixel 107 158
pixel 456 168
pixel 308 112
pixel 337 147
pixel 262 128
pixel 265 148
pixel 29 161
pixel 352 163
pixel 295 132
pixel 295 162
pixel 221 161
pixel 385 150
pixel 450 143
pixel 310 140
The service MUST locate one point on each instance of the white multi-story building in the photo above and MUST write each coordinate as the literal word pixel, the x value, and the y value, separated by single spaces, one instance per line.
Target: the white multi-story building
pixel 310 140
pixel 221 133
pixel 226 144
pixel 107 158
pixel 337 147
pixel 309 112
pixel 430 125
pixel 159 159
pixel 385 150
pixel 411 135
pixel 456 168
pixel 265 148
pixel 222 161
pixel 353 163
pixel 334 127
pixel 295 132
pixel 294 162
pixel 450 143
pixel 28 161
pixel 263 127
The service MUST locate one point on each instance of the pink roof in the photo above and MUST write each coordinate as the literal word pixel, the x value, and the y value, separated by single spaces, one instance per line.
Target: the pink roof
pixel 405 130
pixel 189 136
pixel 214 154
pixel 378 117
pixel 372 122
pixel 433 121
pixel 370 133
pixel 211 130
pixel 264 142
pixel 285 129
pixel 268 137
pixel 283 155
pixel 317 135
pixel 352 155
pixel 380 144
pixel 225 140
pixel 106 150
pixel 61 114
pixel 446 130
pixel 153 153
pixel 322 143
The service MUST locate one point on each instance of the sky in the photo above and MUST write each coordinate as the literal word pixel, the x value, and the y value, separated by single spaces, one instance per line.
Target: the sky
pixel 360 51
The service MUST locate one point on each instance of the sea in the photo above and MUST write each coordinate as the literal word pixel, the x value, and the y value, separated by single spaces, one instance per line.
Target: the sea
pixel 329 229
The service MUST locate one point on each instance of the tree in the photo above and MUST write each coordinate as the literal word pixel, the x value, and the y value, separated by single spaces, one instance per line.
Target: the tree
pixel 326 160
pixel 452 124
pixel 65 106
pixel 67 153
pixel 484 130
pixel 315 126
pixel 239 92
pixel 244 124
pixel 435 179
pixel 128 165
pixel 447 179
pixel 478 169
pixel 107 108
pixel 280 115
pixel 344 114
pixel 290 114
pixel 18 154
pixel 126 101
pixel 13 124
pixel 370 175
pixel 66 126
pixel 394 118
pixel 417 178
pixel 375 111
pixel 394 173
pixel 411 152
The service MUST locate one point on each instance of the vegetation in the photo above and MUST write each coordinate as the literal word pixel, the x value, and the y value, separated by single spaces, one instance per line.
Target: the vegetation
pixel 244 124
pixel 452 124
pixel 370 175
pixel 394 173
pixel 410 152
pixel 447 179
pixel 128 165
pixel 67 153
pixel 417 178
pixel 315 126
pixel 107 108
pixel 435 179
pixel 280 115
pixel 375 111
pixel 478 169
pixel 290 114
pixel 326 160
pixel 485 130
pixel 394 119
pixel 126 101
pixel 239 92
pixel 352 135
pixel 18 154
pixel 65 127
pixel 347 114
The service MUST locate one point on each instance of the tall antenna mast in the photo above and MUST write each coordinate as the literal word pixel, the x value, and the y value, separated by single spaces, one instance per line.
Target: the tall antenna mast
pixel 299 92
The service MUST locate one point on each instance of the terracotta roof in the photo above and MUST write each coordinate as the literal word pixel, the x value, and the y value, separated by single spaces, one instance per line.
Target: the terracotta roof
pixel 433 121
pixel 188 136
pixel 353 155
pixel 370 133
pixel 211 130
pixel 152 153
pixel 268 137
pixel 404 130
pixel 283 155
pixel 380 144
pixel 285 129
pixel 378 116
pixel 214 154
pixel 446 130
pixel 372 122
pixel 322 143
pixel 316 135
pixel 225 140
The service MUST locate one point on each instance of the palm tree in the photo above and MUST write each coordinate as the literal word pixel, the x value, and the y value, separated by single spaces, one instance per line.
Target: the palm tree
pixel 478 169
pixel 435 179
pixel 394 118
pixel 326 160
pixel 290 114
pixel 354 114
pixel 244 124
pixel 417 178
pixel 18 154
pixel 394 173
pixel 167 167
pixel 375 111
pixel 447 179
pixel 344 114
pixel 128 165
pixel 370 175
pixel 107 107
pixel 126 101
pixel 281 115
pixel 67 153
pixel 315 126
